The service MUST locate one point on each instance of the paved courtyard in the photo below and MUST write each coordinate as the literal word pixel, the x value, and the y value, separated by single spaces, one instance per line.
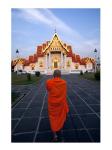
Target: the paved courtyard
pixel 30 121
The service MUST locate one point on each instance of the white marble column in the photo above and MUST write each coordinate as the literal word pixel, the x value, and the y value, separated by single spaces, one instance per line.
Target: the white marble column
pixel 65 62
pixel 61 60
pixel 46 61
pixel 49 60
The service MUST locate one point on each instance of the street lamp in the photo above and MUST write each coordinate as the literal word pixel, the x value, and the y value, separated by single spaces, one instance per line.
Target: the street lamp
pixel 95 51
pixel 98 63
pixel 17 52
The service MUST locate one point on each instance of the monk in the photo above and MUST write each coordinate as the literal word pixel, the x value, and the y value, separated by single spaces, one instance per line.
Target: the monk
pixel 57 102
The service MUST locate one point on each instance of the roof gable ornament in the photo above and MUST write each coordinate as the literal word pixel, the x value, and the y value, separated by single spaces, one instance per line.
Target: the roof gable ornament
pixel 58 39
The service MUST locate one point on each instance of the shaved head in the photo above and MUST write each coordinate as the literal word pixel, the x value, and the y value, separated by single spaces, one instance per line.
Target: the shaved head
pixel 57 73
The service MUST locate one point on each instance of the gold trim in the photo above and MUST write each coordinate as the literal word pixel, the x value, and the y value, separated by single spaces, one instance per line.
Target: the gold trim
pixel 52 41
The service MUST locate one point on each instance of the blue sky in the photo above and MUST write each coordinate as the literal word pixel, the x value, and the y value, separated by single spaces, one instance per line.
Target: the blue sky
pixel 77 27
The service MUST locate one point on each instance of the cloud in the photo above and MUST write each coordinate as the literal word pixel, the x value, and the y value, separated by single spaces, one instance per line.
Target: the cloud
pixel 35 15
pixel 47 17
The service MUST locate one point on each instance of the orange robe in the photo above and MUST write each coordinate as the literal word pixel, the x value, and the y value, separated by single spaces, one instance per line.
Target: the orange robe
pixel 57 103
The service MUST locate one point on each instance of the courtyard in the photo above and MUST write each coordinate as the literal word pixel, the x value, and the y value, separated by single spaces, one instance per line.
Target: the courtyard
pixel 30 122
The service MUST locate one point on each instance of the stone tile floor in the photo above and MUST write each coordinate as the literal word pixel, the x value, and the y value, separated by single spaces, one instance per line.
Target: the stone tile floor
pixel 30 121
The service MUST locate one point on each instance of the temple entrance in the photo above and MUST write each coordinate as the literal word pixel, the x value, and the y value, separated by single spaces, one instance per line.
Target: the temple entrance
pixel 55 64
pixel 55 58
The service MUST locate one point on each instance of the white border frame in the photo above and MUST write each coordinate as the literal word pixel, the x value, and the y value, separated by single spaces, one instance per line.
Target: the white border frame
pixel 106 71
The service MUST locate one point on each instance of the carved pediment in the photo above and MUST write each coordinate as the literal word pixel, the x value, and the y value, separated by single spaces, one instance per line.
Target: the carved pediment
pixel 55 45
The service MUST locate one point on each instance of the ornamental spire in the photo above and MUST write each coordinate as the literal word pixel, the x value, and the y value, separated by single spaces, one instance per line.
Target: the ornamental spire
pixel 55 30
pixel 17 52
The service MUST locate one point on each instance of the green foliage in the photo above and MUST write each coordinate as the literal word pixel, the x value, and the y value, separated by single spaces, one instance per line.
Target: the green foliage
pixel 28 76
pixel 14 96
pixel 81 73
pixel 97 75
pixel 37 73
pixel 22 79
pixel 12 68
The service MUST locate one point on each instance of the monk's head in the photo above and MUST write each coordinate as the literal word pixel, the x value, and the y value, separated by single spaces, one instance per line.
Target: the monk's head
pixel 57 73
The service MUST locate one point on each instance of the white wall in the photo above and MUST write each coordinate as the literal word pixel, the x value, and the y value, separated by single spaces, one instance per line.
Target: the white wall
pixel 41 59
pixel 27 68
pixel 18 67
pixel 83 68
pixel 89 66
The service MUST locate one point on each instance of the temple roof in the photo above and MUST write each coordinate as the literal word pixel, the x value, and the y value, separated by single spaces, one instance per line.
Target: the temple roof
pixel 55 39
pixel 41 51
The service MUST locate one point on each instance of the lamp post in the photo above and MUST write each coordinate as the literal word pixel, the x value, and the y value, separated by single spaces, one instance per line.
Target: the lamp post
pixel 17 52
pixel 98 64
pixel 95 52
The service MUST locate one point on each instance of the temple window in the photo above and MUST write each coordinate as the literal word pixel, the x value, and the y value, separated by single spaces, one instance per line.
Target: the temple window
pixel 40 64
pixel 68 63
pixel 76 66
pixel 32 68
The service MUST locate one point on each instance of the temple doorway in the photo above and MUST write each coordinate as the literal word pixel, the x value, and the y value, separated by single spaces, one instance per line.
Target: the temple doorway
pixel 55 64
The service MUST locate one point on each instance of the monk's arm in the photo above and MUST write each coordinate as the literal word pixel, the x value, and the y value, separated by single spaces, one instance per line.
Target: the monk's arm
pixel 47 85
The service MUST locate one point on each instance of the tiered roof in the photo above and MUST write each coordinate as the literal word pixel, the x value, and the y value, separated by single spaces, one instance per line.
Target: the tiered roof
pixel 16 61
pixel 41 49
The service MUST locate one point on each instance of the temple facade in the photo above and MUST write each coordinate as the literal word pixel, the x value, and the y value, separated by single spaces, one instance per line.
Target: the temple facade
pixel 52 55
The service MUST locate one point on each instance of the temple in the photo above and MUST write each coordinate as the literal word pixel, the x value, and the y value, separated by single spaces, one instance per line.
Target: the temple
pixel 52 55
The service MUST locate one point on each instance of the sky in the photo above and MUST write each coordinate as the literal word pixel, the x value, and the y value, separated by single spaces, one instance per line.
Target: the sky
pixel 79 28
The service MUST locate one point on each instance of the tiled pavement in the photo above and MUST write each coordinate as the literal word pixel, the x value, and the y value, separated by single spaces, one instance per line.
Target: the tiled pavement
pixel 30 121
